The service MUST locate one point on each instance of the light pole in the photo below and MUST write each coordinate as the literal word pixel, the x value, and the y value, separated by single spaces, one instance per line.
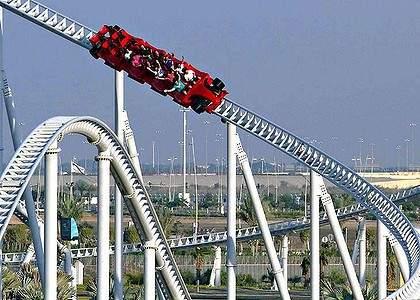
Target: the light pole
pixel 156 148
pixel 360 140
pixel 398 148
pixel 262 165
pixel 171 170
pixel 306 192
pixel 407 146
pixel 206 123
pixel 372 157
pixel 153 155
pixel 413 152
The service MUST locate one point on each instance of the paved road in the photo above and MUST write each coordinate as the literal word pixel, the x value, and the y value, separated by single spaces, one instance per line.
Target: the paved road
pixel 210 293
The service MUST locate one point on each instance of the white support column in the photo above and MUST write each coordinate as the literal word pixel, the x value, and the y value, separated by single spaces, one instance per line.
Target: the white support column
pixel 1 106
pixel 149 270
pixel 102 262
pixel 17 140
pixel 284 255
pixel 1 269
pixel 262 221
pixel 362 252
pixel 401 257
pixel 341 243
pixel 217 268
pixel 381 264
pixel 184 154
pixel 231 212
pixel 119 108
pixel 50 229
pixel 315 261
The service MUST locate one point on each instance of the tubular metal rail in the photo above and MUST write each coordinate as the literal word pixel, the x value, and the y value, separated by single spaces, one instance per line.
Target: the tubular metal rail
pixel 365 193
pixel 51 20
pixel 21 167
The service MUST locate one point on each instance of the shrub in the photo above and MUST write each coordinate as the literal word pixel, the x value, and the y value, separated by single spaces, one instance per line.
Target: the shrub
pixel 188 276
pixel 245 280
pixel 134 278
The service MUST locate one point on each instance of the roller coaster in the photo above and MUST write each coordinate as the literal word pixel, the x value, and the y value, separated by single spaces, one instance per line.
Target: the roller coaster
pixel 43 141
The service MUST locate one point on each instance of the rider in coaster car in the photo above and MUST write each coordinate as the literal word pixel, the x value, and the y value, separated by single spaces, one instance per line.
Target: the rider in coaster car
pixel 178 85
pixel 156 67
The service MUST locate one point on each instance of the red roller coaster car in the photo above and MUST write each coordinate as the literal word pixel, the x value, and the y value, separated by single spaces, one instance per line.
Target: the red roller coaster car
pixel 160 69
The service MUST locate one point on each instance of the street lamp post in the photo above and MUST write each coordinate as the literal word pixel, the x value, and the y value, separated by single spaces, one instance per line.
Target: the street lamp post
pixel 398 148
pixel 360 140
pixel 407 146
pixel 171 159
pixel 206 144
pixel 413 152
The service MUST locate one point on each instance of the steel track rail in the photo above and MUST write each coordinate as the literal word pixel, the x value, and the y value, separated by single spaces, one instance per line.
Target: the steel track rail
pixel 21 167
pixel 366 194
pixel 51 20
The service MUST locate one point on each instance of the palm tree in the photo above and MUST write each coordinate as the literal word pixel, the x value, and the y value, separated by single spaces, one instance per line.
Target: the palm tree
pixel 335 292
pixel 247 214
pixel 304 237
pixel 198 262
pixel 70 208
pixel 343 292
pixel 17 238
pixel 392 265
pixel 30 285
pixel 166 219
pixel 10 283
pixel 306 269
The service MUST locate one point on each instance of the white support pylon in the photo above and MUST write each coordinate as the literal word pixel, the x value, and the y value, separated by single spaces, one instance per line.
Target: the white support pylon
pixel 362 252
pixel 217 267
pixel 284 255
pixel 102 261
pixel 341 242
pixel 50 229
pixel 314 242
pixel 401 257
pixel 262 221
pixel 119 109
pixel 231 212
pixel 17 140
pixel 149 270
pixel 381 263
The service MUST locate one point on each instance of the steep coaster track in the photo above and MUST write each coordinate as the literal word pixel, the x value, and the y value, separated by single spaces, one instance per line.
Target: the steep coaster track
pixel 366 194
pixel 21 167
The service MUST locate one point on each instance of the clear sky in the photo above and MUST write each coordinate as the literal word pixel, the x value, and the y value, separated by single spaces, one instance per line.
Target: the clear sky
pixel 322 69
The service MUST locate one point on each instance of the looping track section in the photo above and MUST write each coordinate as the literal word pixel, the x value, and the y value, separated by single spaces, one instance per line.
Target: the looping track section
pixel 365 193
pixel 25 160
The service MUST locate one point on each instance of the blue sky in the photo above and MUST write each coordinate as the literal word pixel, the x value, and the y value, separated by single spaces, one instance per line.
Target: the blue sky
pixel 321 69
